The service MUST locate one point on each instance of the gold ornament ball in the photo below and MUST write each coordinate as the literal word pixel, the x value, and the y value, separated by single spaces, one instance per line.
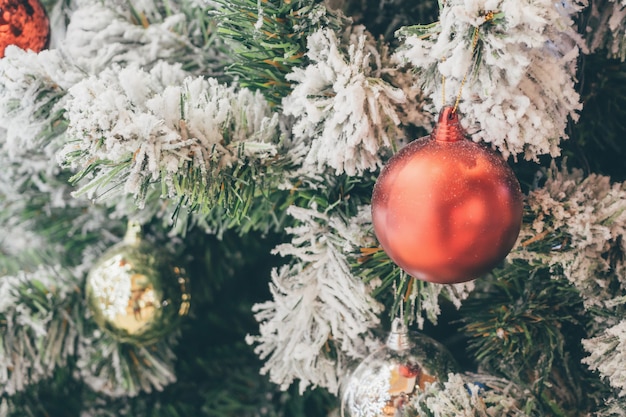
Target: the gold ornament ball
pixel 135 293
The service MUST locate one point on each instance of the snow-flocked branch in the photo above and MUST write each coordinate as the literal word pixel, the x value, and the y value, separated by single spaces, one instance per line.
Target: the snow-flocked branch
pixel 321 314
pixel 38 331
pixel 520 85
pixel 607 354
pixel 346 105
pixel 608 20
pixel 580 221
pixel 134 128
pixel 124 370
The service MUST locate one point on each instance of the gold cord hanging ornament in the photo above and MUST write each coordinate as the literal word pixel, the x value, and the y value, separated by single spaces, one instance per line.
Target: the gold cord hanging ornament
pixel 488 18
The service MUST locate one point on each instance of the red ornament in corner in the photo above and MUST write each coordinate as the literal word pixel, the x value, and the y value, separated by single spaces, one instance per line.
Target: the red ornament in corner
pixel 446 209
pixel 23 23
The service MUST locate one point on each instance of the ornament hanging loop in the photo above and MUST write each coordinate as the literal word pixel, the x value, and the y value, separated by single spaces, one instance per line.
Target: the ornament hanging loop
pixel 398 339
pixel 134 232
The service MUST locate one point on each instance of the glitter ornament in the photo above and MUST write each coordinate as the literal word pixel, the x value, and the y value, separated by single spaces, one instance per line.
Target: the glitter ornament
pixel 446 209
pixel 23 23
pixel 386 381
pixel 134 291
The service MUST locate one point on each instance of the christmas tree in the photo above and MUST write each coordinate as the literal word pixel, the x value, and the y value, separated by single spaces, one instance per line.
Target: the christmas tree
pixel 187 217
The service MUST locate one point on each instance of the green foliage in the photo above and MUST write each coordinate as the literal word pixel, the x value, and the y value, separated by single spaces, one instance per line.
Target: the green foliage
pixel 64 228
pixel 339 193
pixel 402 293
pixel 268 39
pixel 264 210
pixel 525 324
pixel 228 193
pixel 201 51
pixel 37 331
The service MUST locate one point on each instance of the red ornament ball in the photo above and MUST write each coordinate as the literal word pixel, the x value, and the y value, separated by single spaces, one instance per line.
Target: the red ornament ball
pixel 23 23
pixel 446 209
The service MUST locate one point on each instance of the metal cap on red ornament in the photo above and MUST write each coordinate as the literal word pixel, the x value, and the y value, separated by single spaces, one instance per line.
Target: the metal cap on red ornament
pixel 446 209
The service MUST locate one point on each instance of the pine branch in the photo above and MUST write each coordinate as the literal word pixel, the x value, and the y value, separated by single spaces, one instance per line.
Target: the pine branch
pixel 54 226
pixel 613 407
pixel 122 34
pixel 235 190
pixel 529 333
pixel 124 370
pixel 267 207
pixel 351 105
pixel 311 290
pixel 417 299
pixel 32 100
pixel 37 328
pixel 475 395
pixel 604 28
pixel 473 48
pixel 268 39
pixel 573 226
pixel 204 144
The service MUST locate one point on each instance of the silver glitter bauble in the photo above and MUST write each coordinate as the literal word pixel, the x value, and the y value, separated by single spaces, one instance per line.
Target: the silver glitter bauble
pixel 386 381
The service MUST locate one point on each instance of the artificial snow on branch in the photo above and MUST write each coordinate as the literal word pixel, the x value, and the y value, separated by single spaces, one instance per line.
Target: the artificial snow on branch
pixel 514 63
pixel 321 314
pixel 607 355
pixel 424 298
pixel 607 28
pixel 472 395
pixel 612 407
pixel 38 331
pixel 133 128
pixel 32 98
pixel 101 35
pixel 343 104
pixel 124 370
pixel 580 223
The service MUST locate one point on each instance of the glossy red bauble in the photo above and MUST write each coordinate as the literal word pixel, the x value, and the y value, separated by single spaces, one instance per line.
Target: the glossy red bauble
pixel 23 23
pixel 446 209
